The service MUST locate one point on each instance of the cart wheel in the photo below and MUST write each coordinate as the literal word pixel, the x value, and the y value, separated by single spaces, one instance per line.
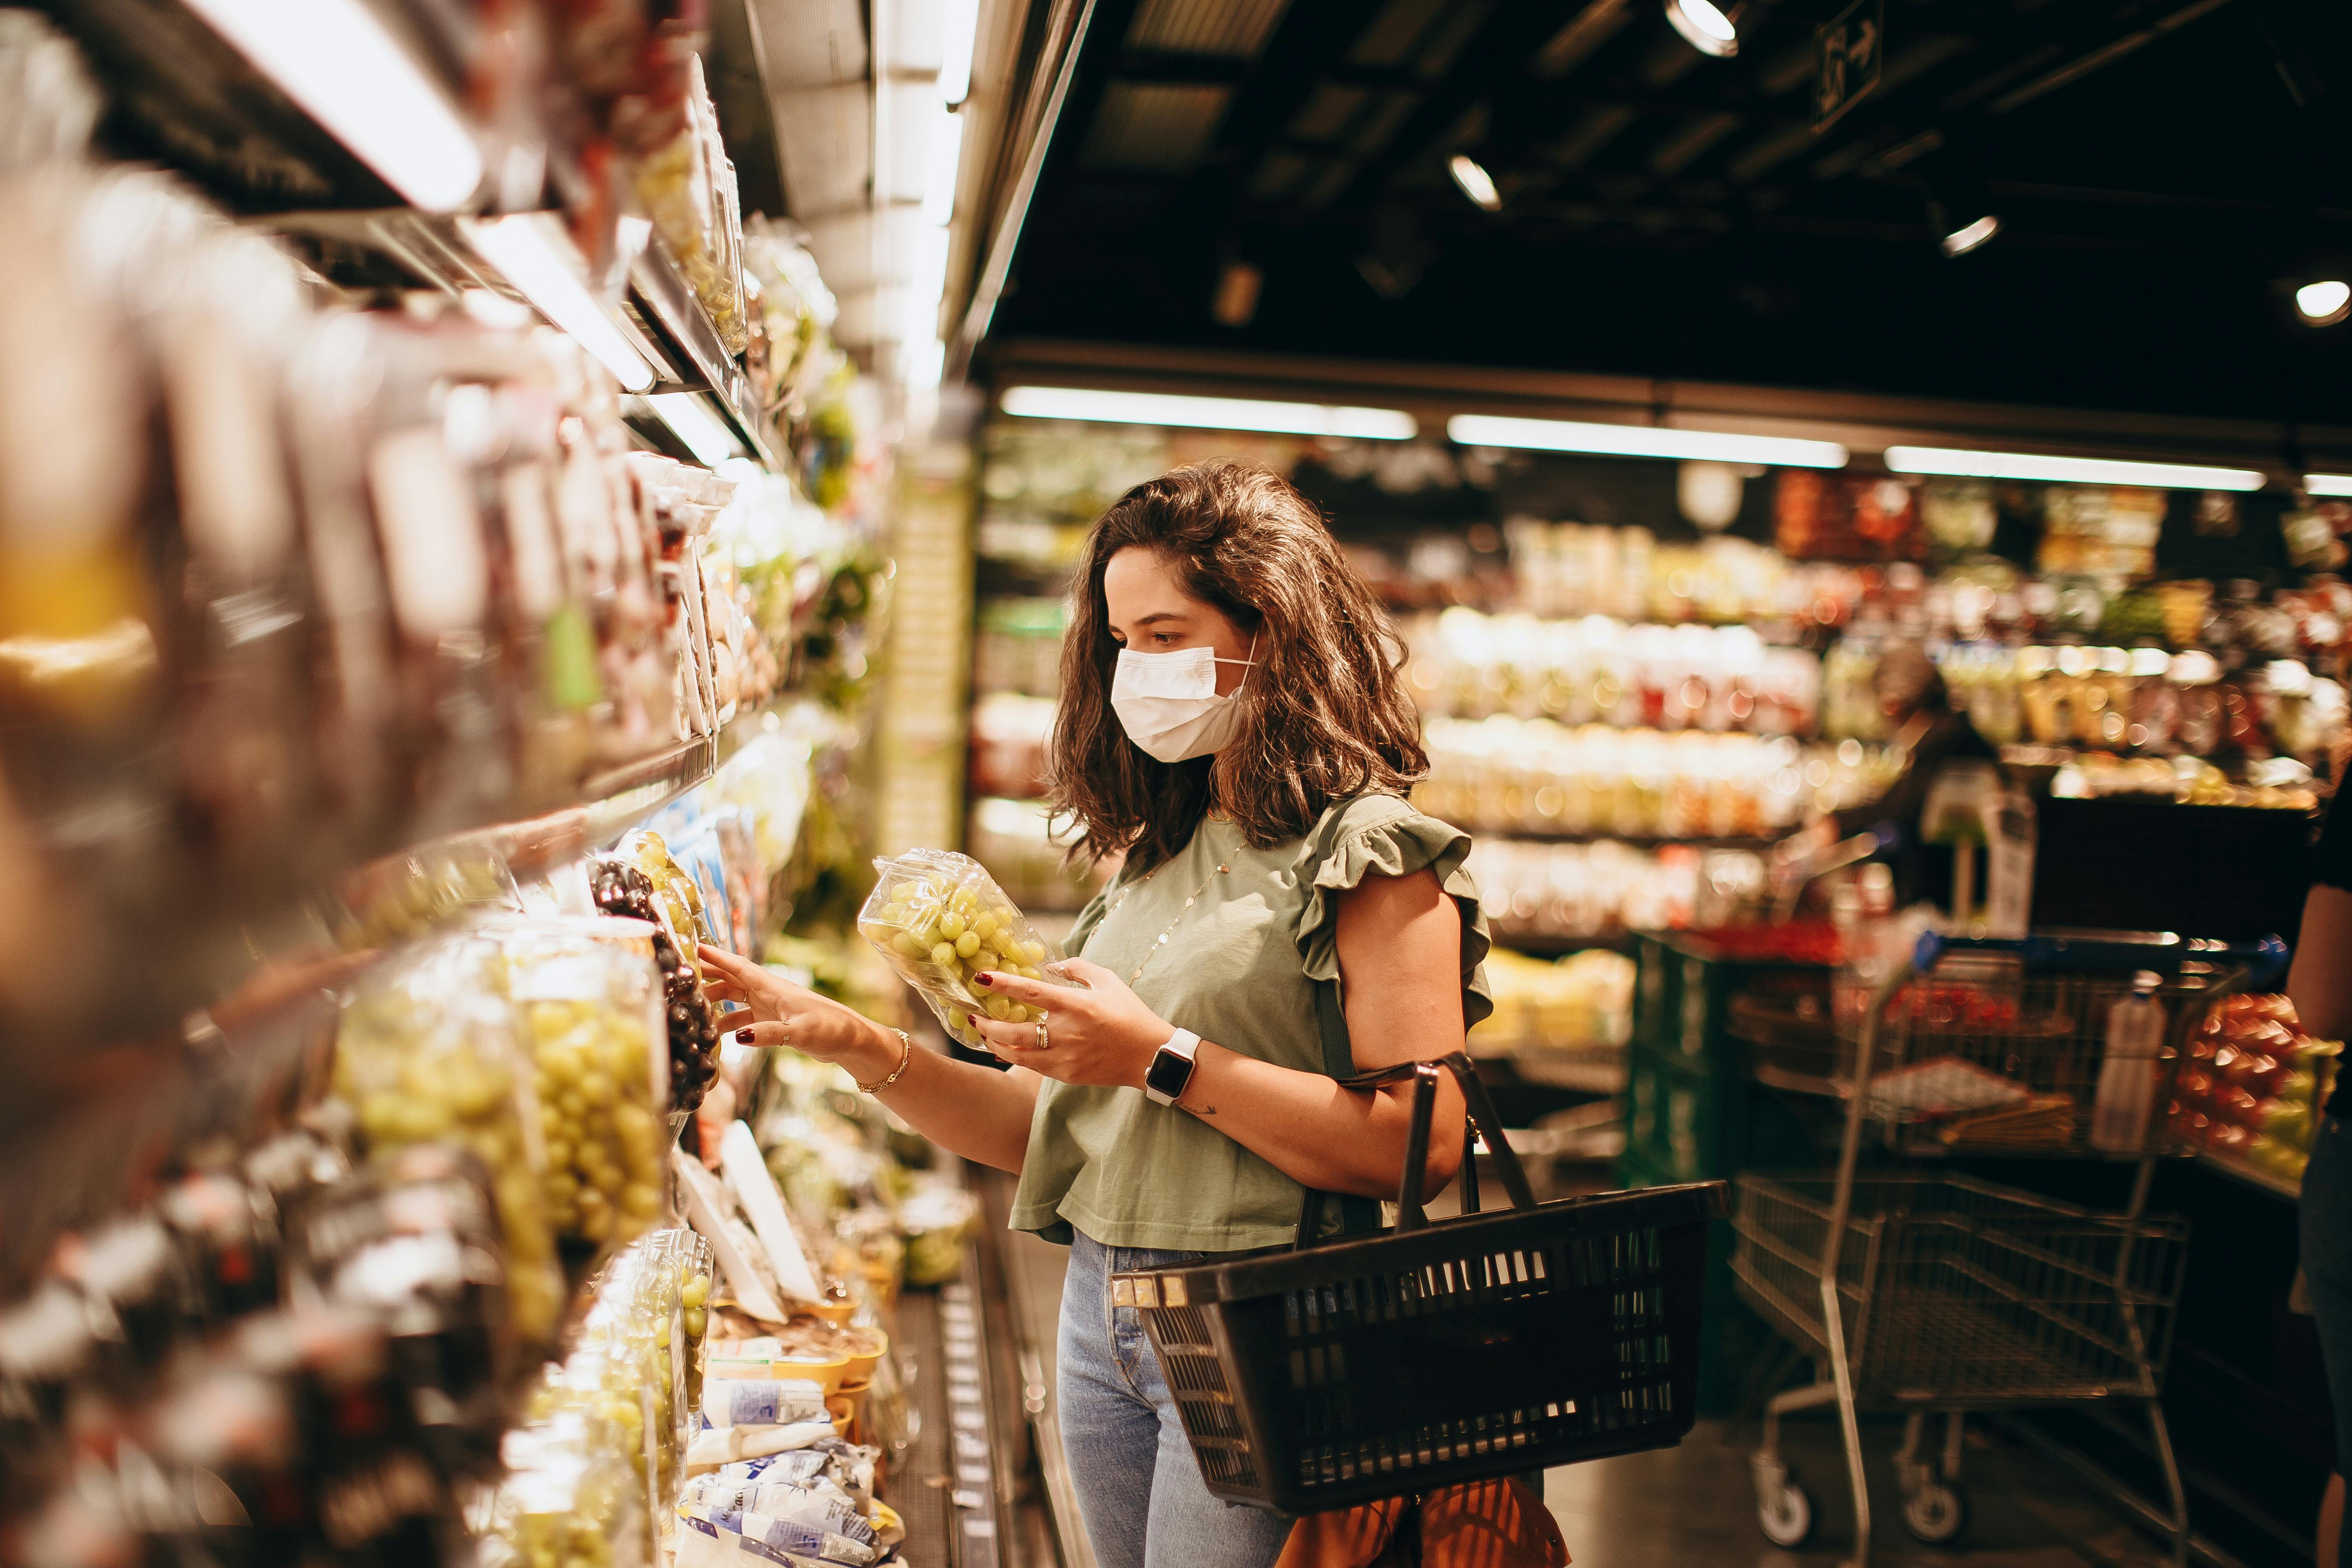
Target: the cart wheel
pixel 1936 1513
pixel 1786 1517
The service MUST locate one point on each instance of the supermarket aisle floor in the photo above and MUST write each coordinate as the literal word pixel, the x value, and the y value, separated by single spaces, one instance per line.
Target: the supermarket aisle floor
pixel 1694 1507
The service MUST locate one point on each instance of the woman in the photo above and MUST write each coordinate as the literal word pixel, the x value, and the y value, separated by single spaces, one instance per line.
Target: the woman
pixel 1232 719
pixel 1930 735
pixel 2320 985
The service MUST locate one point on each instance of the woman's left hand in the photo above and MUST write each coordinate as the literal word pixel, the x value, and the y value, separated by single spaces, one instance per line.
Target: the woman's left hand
pixel 1102 1036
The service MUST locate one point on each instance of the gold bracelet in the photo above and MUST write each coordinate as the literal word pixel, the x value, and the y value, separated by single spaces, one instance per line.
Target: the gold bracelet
pixel 905 1056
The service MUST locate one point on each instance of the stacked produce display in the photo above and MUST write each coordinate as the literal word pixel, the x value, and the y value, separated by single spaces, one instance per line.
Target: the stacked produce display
pixel 2252 1086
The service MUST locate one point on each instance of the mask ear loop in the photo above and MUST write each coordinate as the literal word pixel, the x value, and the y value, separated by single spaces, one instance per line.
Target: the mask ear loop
pixel 1249 663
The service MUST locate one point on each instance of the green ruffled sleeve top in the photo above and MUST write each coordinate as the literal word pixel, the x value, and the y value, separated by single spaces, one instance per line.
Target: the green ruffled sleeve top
pixel 1228 941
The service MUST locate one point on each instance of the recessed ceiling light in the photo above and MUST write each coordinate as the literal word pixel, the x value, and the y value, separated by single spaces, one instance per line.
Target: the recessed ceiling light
pixel 1208 413
pixel 1705 27
pixel 1641 441
pixel 2068 470
pixel 1968 236
pixel 1476 183
pixel 2323 301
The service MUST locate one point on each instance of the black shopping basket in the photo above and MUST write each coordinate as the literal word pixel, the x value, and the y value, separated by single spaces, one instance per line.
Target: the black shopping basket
pixel 1372 1366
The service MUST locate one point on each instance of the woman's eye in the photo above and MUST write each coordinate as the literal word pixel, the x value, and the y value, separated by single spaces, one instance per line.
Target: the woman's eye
pixel 1164 639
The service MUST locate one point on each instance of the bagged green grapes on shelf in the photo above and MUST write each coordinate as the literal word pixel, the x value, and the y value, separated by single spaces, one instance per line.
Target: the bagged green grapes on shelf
pixel 940 919
pixel 587 1003
pixel 425 1052
pixel 570 1499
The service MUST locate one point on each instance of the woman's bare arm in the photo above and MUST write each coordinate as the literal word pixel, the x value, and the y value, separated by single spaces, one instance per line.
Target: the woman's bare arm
pixel 2320 982
pixel 968 1110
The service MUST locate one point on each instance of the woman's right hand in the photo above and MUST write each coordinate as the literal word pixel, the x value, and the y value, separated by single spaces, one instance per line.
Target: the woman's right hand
pixel 785 1013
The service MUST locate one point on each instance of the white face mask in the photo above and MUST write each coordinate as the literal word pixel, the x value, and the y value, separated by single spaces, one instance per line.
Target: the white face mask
pixel 1169 705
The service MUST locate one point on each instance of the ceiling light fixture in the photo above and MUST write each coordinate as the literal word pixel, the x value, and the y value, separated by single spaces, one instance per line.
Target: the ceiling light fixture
pixel 1476 183
pixel 525 249
pixel 1968 236
pixel 335 60
pixel 709 440
pixel 1208 413
pixel 2323 301
pixel 2067 470
pixel 1235 301
pixel 1643 441
pixel 1709 28
pixel 2327 484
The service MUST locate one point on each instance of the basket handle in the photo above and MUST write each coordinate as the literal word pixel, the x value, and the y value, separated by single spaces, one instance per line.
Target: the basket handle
pixel 1411 1215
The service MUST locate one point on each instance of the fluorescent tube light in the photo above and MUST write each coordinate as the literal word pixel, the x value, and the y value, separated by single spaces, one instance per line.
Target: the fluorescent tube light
pixel 336 60
pixel 522 248
pixel 1643 441
pixel 2068 470
pixel 1208 413
pixel 1476 183
pixel 2327 484
pixel 710 441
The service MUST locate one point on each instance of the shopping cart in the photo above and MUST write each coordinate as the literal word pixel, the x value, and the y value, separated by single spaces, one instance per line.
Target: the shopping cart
pixel 1933 1293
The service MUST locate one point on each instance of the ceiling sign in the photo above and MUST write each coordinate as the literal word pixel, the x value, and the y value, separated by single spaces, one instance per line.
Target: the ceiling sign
pixel 1848 51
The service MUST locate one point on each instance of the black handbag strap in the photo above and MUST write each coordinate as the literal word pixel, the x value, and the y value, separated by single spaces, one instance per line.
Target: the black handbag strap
pixel 1483 1122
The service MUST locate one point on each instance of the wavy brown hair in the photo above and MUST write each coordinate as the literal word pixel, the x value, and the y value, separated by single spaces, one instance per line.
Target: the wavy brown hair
pixel 1324 713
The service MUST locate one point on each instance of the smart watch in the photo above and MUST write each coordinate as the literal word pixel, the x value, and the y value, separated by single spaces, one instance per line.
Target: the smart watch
pixel 1171 1069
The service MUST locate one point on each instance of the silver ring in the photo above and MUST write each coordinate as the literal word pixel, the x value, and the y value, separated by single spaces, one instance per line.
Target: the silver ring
pixel 1041 1034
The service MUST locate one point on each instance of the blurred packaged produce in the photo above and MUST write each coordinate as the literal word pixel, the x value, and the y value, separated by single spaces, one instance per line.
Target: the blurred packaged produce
pixel 1009 735
pixel 2252 1085
pixel 1583 1000
pixel 1600 670
pixel 1011 838
pixel 1019 648
pixel 1514 775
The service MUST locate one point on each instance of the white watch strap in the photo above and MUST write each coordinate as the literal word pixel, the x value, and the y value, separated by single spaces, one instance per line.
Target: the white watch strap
pixel 1182 1043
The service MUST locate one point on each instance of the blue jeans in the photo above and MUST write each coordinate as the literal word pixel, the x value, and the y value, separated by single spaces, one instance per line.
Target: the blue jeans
pixel 1139 1486
pixel 2325 1222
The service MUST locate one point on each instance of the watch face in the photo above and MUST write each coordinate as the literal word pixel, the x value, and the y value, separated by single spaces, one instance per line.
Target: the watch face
pixel 1169 1074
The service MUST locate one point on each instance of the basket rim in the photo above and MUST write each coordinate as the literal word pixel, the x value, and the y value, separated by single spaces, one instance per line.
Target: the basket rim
pixel 1275 1272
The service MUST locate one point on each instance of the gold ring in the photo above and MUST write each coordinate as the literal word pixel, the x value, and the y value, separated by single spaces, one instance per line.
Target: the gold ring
pixel 1041 1034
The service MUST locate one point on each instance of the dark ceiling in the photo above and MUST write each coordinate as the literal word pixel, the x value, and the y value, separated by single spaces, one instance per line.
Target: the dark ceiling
pixel 2164 169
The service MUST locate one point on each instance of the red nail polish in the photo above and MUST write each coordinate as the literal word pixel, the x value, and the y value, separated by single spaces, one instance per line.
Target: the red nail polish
pixel 986 977
pixel 743 1036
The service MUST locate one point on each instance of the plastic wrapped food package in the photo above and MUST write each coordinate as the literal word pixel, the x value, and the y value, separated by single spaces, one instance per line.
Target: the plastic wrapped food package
pixel 568 1499
pixel 588 1005
pixel 690 1022
pixel 940 919
pixel 426 1053
pixel 636 1364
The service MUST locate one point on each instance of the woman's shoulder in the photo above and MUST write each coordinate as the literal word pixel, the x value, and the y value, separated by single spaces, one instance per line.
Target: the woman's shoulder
pixel 1356 815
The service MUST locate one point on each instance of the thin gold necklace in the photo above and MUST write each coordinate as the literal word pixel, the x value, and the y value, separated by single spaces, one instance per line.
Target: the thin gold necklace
pixel 1161 939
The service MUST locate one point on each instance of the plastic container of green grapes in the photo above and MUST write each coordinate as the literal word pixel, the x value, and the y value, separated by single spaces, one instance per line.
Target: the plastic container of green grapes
pixel 939 918
pixel 426 1053
pixel 587 1000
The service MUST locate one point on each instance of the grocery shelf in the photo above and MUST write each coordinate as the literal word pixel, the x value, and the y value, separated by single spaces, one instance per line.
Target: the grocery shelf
pixel 1540 834
pixel 400 248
